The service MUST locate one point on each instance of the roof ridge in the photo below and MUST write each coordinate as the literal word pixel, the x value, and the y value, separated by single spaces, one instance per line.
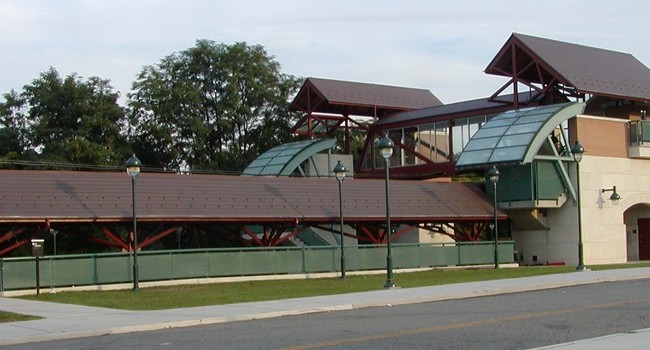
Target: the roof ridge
pixel 520 35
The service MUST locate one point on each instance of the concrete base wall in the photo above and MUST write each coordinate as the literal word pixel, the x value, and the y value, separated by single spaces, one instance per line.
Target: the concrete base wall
pixel 608 229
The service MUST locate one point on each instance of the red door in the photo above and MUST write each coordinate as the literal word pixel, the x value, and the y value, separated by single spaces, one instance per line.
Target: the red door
pixel 644 239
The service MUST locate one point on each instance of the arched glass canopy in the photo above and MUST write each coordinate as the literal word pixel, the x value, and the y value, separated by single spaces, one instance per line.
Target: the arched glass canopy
pixel 515 137
pixel 284 159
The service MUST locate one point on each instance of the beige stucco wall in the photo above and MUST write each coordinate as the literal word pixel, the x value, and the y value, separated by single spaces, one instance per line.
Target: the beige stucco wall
pixel 557 244
pixel 604 230
pixel 603 226
pixel 608 239
pixel 418 235
pixel 608 230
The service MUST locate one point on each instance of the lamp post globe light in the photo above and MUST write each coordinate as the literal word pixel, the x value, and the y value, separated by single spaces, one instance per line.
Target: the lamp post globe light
pixel 339 172
pixel 493 176
pixel 133 169
pixel 577 150
pixel 385 146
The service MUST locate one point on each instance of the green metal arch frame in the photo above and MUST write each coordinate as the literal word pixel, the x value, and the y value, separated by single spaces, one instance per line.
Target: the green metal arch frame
pixel 566 112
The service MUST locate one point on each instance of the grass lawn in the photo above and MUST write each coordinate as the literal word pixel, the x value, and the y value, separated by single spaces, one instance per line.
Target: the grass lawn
pixel 158 298
pixel 13 317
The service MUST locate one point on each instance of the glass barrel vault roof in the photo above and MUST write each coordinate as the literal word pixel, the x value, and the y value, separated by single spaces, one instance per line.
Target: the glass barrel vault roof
pixel 515 136
pixel 282 160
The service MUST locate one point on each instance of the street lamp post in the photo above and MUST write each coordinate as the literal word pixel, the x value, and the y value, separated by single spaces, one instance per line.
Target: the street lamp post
pixel 577 150
pixel 385 146
pixel 133 169
pixel 493 175
pixel 339 172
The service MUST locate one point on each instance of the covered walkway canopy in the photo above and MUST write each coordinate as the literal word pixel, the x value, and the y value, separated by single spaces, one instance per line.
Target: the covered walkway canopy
pixel 36 201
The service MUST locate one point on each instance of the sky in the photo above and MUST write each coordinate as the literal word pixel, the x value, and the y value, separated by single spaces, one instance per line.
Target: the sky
pixel 442 46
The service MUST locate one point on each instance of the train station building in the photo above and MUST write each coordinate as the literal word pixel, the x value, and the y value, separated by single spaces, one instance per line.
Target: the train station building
pixel 567 132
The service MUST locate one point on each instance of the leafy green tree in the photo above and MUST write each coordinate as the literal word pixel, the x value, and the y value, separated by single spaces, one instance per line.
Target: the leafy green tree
pixel 212 106
pixel 14 129
pixel 66 120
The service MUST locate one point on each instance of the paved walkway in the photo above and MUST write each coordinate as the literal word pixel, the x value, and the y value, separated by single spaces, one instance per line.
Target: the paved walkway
pixel 71 321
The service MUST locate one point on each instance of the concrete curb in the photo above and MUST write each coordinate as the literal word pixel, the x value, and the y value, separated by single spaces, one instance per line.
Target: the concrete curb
pixel 171 324
pixel 611 341
pixel 300 306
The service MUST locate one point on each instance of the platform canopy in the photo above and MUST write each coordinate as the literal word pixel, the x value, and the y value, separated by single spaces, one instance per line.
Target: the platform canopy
pixel 246 210
pixel 104 197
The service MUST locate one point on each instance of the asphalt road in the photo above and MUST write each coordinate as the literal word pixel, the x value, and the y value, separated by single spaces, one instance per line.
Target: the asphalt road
pixel 511 321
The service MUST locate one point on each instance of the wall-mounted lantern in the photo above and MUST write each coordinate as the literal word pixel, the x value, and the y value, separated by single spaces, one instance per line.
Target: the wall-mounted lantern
pixel 615 197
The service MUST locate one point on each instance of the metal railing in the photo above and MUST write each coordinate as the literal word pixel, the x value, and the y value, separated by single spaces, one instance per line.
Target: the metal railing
pixel 639 132
pixel 97 269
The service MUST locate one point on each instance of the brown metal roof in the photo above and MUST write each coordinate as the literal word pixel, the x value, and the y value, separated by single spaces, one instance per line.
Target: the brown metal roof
pixel 363 99
pixel 65 196
pixel 588 69
pixel 444 112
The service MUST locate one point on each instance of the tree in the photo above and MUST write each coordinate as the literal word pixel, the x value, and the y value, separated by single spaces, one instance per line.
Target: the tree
pixel 212 106
pixel 14 130
pixel 66 120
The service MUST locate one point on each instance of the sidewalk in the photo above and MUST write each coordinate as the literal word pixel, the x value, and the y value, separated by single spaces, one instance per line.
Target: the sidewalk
pixel 63 321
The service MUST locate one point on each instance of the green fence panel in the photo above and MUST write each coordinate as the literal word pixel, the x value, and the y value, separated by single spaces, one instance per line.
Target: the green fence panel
pixel 112 268
pixel 475 254
pixel 405 257
pixel 191 265
pixel 20 273
pixel 295 261
pixel 506 252
pixel 68 272
pixel 229 263
pixel 322 260
pixel 481 253
pixel 152 267
pixel 515 183
pixel 47 272
pixel 548 183
pixel 288 261
pixel 259 263
pixel 373 257
pixel 646 130
pixel 431 256
pixel 352 259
